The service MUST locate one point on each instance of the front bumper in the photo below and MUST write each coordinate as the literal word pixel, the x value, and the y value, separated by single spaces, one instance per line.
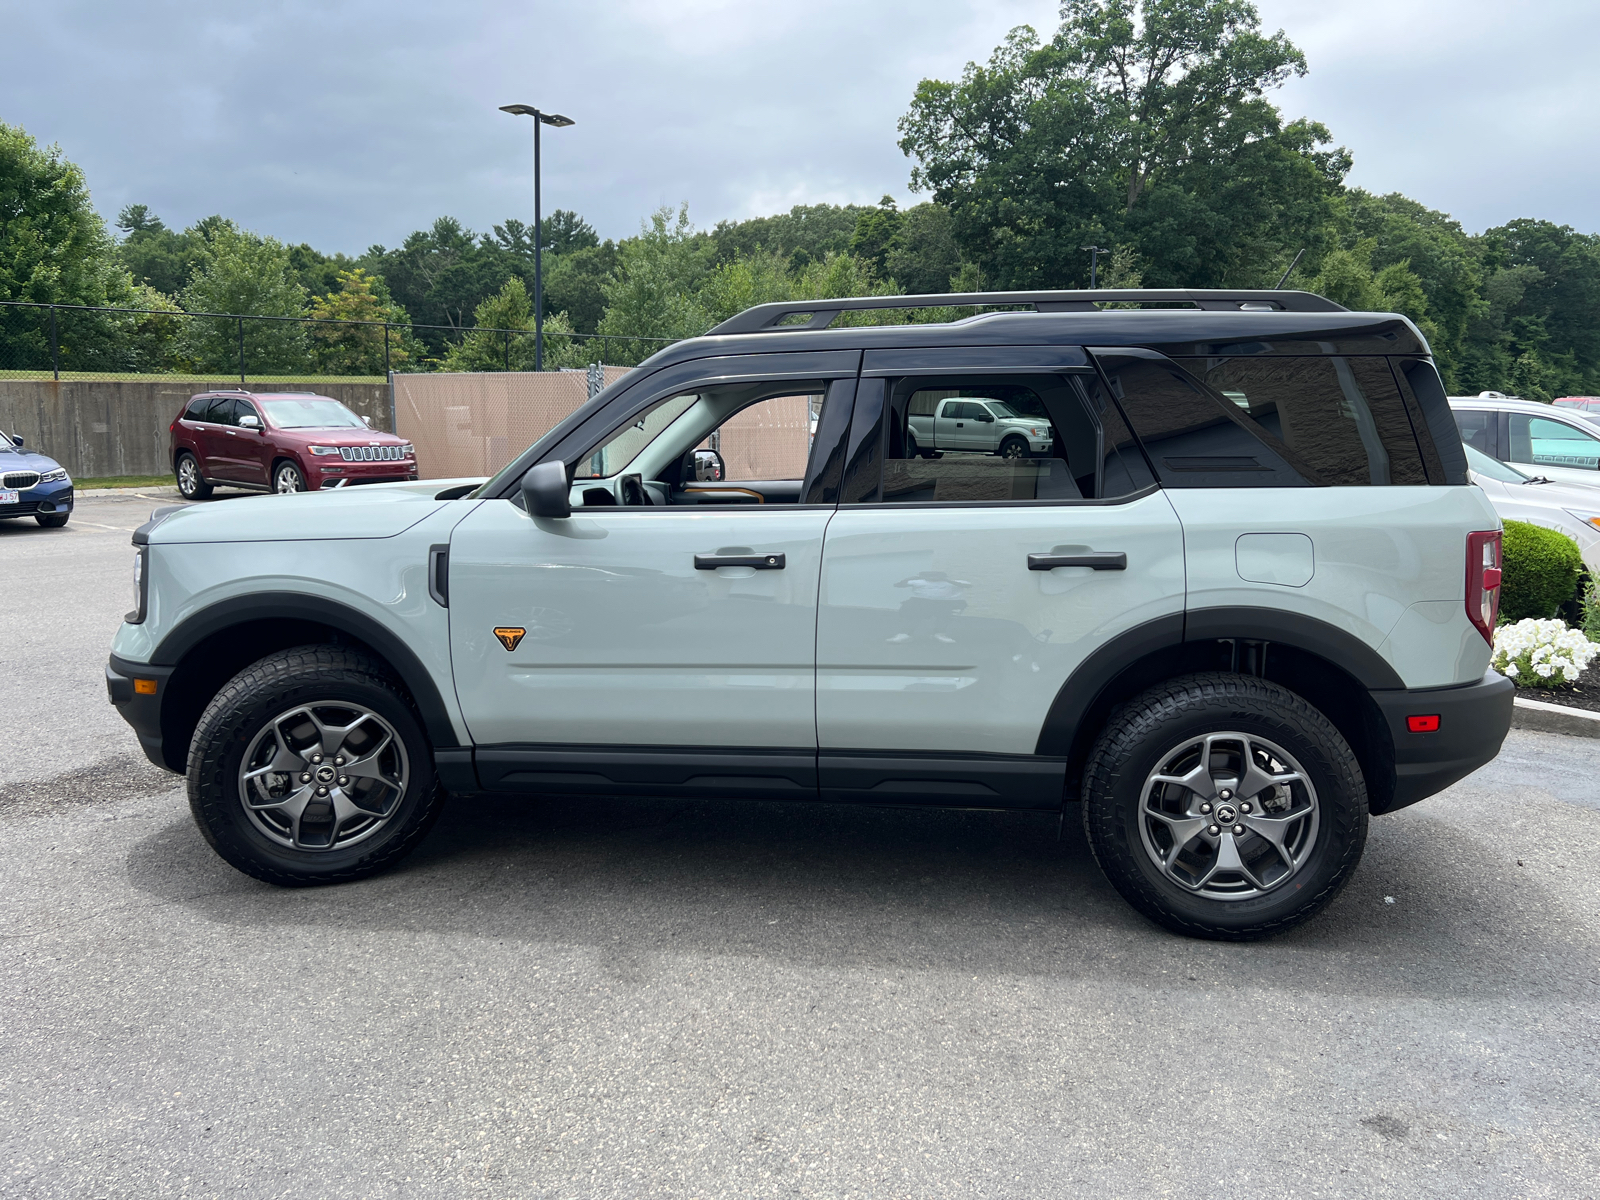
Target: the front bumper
pixel 334 473
pixel 1473 721
pixel 138 690
pixel 46 498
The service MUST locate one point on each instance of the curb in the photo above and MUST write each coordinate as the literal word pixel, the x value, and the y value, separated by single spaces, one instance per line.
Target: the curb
pixel 1554 718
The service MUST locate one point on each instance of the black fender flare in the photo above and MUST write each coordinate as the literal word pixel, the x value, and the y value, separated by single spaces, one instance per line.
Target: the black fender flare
pixel 1086 684
pixel 269 606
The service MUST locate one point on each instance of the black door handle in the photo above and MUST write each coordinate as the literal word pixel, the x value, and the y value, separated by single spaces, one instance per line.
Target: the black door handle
pixel 1100 560
pixel 761 562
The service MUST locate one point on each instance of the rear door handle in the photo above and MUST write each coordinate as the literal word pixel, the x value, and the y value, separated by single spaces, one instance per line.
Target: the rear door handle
pixel 1099 560
pixel 761 562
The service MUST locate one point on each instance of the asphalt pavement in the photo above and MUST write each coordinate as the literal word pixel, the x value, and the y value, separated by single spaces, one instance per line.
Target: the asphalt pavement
pixel 613 997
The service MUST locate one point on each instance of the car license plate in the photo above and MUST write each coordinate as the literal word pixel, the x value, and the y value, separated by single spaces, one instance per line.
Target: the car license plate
pixel 10 498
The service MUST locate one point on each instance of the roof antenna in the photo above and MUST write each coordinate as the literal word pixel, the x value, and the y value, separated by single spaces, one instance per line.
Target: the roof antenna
pixel 1290 271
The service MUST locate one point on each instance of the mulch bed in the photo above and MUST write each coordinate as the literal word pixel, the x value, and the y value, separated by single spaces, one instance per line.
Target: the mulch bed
pixel 1583 694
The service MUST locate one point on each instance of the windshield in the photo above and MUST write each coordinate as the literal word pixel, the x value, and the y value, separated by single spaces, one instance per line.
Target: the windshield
pixel 313 412
pixel 1482 464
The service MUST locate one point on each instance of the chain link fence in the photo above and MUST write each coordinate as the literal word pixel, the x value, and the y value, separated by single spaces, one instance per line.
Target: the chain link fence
pixel 78 342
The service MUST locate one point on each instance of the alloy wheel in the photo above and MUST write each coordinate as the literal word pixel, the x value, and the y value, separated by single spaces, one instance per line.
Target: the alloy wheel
pixel 323 776
pixel 1228 816
pixel 288 480
pixel 188 476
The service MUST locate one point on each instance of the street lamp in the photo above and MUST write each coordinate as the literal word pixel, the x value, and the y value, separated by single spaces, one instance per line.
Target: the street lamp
pixel 1094 263
pixel 559 122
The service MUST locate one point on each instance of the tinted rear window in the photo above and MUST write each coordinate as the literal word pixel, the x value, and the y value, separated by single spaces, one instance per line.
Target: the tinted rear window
pixel 1342 416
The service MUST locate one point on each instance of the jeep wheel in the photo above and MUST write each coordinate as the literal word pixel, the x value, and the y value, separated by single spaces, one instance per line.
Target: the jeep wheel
pixel 191 484
pixel 287 478
pixel 1224 806
pixel 1014 447
pixel 311 766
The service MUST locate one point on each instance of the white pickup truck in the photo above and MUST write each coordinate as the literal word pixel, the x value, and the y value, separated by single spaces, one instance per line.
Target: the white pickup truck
pixel 979 425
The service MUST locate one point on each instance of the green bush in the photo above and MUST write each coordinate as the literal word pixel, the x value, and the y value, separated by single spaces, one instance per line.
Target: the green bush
pixel 1541 571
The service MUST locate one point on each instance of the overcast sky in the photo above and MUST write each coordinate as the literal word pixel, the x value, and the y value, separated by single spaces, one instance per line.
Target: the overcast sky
pixel 348 122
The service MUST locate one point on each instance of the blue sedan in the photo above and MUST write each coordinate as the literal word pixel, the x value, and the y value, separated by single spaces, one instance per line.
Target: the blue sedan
pixel 33 485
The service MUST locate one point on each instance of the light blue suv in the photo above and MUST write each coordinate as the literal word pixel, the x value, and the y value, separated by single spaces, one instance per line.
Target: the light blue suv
pixel 1244 601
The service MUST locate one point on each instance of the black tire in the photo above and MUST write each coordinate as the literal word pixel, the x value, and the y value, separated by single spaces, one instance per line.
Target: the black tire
pixel 323 676
pixel 1014 447
pixel 1139 738
pixel 286 478
pixel 52 520
pixel 192 484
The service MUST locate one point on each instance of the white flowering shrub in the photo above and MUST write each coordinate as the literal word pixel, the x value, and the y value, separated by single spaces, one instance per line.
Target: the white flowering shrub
pixel 1539 653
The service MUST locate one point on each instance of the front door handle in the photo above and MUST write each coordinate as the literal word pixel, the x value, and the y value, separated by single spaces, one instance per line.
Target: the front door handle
pixel 1099 560
pixel 761 562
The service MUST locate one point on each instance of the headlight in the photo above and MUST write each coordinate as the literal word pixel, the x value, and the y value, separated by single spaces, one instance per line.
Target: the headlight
pixel 1591 519
pixel 323 451
pixel 408 451
pixel 56 476
pixel 141 586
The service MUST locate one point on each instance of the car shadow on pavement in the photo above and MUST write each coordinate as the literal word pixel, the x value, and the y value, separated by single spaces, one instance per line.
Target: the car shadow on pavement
pixel 1430 912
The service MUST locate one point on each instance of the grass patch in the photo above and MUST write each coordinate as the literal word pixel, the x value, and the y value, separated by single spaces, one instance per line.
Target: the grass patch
pixel 211 382
pixel 125 481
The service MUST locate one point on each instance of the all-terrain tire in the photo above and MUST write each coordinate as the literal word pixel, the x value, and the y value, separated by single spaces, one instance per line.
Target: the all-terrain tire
pixel 1144 731
pixel 306 676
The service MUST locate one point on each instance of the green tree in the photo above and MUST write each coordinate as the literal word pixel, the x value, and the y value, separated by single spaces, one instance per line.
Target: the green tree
pixel 440 275
pixel 357 346
pixel 654 292
pixel 502 336
pixel 806 233
pixel 876 231
pixel 575 283
pixel 1143 122
pixel 54 248
pixel 923 256
pixel 241 272
pixel 153 254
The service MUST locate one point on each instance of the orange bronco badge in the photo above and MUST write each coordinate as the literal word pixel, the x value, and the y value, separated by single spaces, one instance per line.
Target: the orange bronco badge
pixel 509 637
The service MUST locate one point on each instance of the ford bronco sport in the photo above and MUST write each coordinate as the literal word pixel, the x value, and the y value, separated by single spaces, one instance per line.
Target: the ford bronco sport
pixel 1243 603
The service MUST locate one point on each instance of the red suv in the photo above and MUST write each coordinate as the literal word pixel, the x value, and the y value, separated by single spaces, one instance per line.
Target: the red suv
pixel 281 442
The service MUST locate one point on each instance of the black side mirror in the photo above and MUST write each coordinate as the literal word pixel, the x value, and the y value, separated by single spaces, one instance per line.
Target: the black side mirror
pixel 986 418
pixel 16 439
pixel 546 491
pixel 709 466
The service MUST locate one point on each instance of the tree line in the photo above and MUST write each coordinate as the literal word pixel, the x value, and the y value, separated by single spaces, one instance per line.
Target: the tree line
pixel 1140 126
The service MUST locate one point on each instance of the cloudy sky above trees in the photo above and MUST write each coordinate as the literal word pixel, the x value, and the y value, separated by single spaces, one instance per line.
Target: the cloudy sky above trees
pixel 350 122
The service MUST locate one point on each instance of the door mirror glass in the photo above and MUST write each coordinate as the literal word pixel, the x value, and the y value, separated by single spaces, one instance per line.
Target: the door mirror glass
pixel 16 439
pixel 546 492
pixel 708 466
pixel 250 421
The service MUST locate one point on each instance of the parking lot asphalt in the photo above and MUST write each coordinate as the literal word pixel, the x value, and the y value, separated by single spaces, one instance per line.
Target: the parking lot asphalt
pixel 613 997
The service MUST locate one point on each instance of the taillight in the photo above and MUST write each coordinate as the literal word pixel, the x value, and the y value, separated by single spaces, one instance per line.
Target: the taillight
pixel 1483 581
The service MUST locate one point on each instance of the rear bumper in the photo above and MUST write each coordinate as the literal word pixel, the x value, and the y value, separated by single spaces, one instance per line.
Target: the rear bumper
pixel 1473 721
pixel 142 710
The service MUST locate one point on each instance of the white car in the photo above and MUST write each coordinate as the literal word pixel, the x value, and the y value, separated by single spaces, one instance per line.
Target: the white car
pixel 1570 509
pixel 1562 444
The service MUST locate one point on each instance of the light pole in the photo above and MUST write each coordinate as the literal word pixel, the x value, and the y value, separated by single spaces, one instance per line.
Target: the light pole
pixel 559 122
pixel 1094 263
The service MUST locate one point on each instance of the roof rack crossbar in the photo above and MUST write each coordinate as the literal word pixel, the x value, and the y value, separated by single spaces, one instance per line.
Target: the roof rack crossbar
pixel 765 318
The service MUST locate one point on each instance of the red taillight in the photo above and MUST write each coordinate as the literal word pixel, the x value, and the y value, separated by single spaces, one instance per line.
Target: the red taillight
pixel 1428 724
pixel 1483 581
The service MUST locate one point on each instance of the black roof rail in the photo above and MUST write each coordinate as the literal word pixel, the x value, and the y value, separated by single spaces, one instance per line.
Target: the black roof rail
pixel 765 318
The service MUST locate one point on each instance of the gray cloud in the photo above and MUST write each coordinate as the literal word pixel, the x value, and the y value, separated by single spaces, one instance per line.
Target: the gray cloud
pixel 347 123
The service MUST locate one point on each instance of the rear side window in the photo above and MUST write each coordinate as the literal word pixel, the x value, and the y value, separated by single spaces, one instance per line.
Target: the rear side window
pixel 197 409
pixel 1195 438
pixel 1479 430
pixel 1342 416
pixel 1011 437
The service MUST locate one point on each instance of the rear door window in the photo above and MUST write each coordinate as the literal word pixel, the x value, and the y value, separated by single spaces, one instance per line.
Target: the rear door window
pixel 1479 430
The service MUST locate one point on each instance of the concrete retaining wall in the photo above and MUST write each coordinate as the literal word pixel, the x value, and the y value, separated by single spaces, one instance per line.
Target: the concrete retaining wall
pixel 100 428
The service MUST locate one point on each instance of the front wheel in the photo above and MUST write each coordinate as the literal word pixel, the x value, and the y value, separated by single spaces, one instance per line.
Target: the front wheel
pixel 1224 806
pixel 311 766
pixel 1013 448
pixel 51 520
pixel 287 478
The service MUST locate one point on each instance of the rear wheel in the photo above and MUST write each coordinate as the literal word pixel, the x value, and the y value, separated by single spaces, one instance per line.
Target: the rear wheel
pixel 51 520
pixel 287 478
pixel 311 766
pixel 1224 806
pixel 191 484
